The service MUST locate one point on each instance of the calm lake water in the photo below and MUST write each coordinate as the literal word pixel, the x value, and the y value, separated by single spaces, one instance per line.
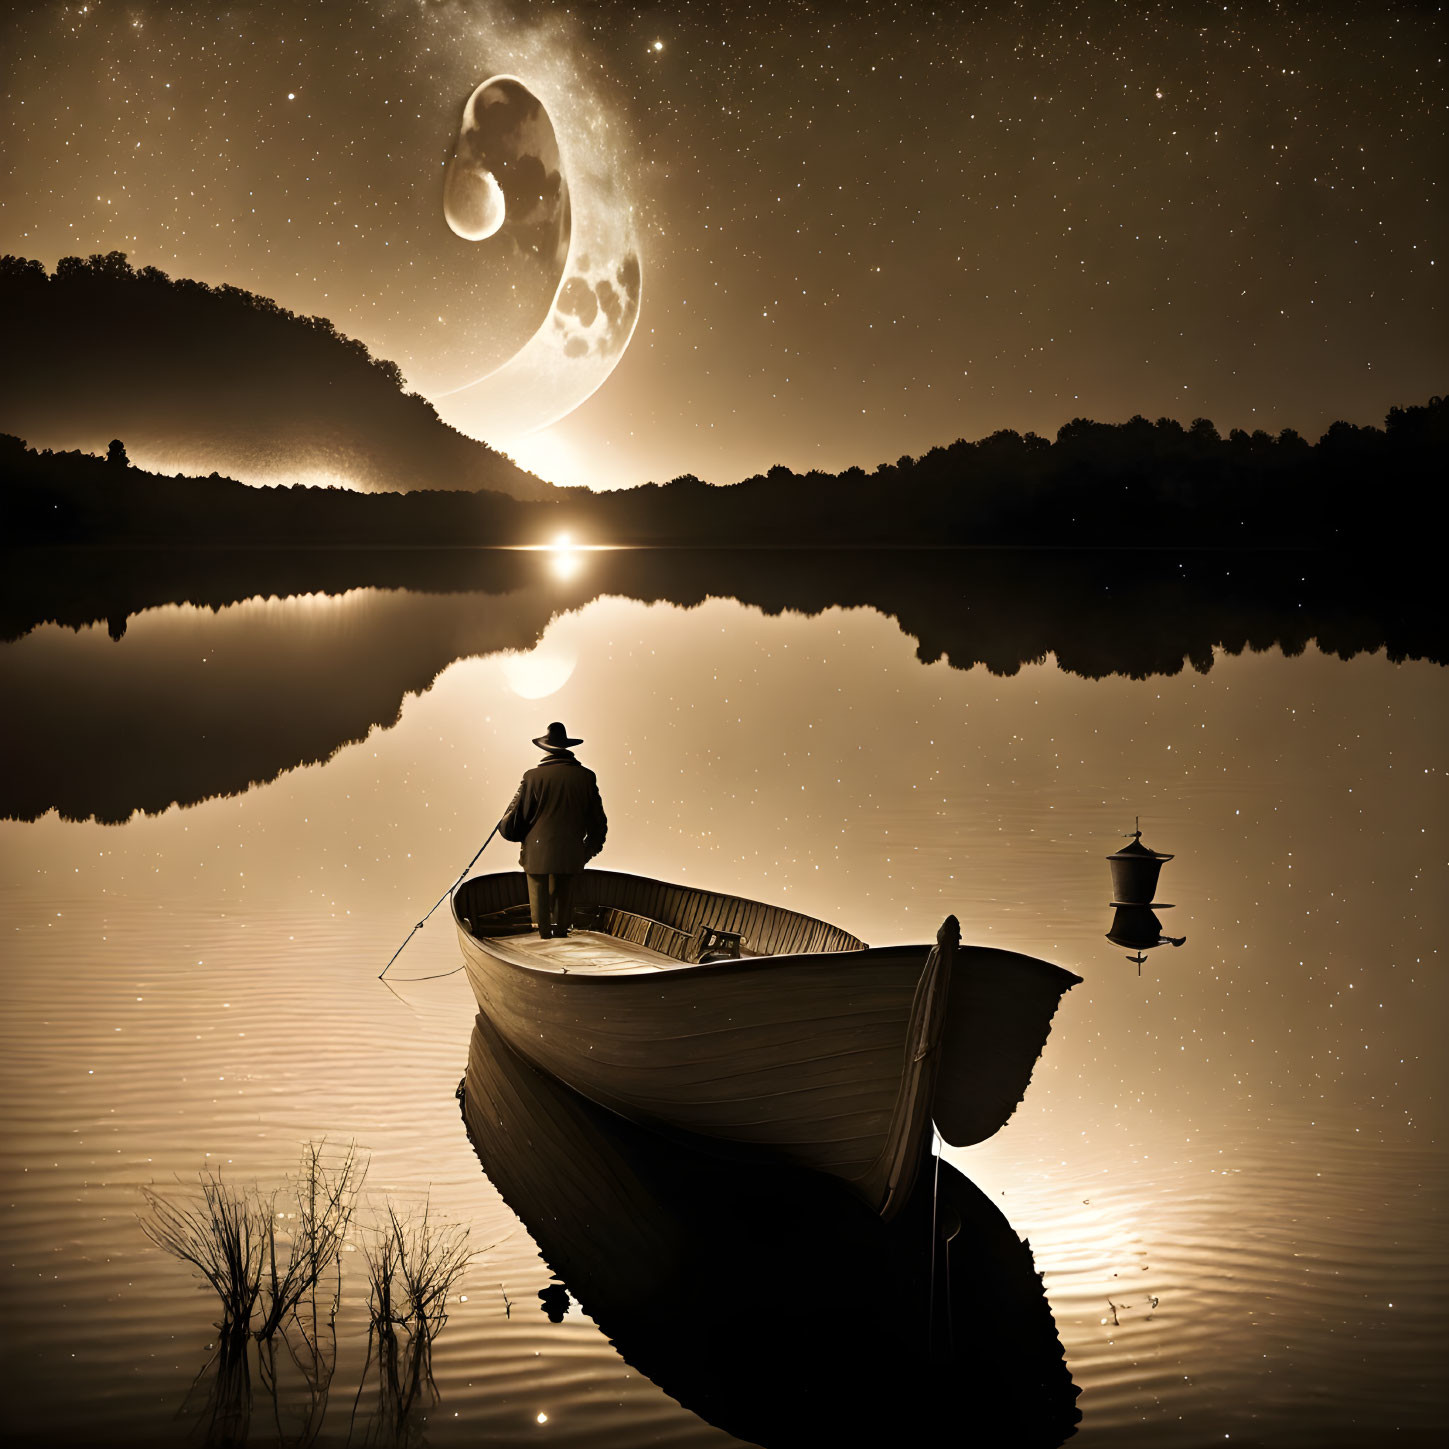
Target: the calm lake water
pixel 1230 1168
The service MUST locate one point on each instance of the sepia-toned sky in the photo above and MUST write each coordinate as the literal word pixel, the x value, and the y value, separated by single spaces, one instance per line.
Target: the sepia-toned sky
pixel 865 229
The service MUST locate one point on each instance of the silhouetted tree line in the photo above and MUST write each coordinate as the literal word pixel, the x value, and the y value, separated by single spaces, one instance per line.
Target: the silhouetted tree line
pixel 185 371
pixel 77 498
pixel 1137 484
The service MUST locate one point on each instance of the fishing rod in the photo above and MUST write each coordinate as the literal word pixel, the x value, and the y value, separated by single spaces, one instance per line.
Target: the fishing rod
pixel 436 904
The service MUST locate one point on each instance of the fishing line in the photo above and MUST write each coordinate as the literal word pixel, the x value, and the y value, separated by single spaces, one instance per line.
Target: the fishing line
pixel 431 909
pixel 437 976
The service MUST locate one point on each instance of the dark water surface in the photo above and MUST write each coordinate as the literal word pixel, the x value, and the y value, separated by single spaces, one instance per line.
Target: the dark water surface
pixel 1230 1169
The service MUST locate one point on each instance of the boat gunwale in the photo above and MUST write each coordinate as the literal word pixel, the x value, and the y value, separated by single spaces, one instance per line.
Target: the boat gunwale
pixel 465 929
pixel 911 950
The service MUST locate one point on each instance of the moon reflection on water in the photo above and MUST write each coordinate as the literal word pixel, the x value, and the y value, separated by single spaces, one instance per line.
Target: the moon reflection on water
pixel 540 672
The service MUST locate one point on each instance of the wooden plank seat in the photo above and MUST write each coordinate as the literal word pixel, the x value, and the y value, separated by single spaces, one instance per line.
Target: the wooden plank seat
pixel 640 930
pixel 703 943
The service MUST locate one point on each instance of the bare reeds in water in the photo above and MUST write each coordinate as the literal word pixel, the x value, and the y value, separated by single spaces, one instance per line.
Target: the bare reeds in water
pixel 326 1198
pixel 429 1259
pixel 260 1259
pixel 413 1264
pixel 221 1232
pixel 267 1257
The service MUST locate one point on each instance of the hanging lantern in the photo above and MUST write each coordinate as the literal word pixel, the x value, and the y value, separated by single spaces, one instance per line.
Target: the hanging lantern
pixel 1135 871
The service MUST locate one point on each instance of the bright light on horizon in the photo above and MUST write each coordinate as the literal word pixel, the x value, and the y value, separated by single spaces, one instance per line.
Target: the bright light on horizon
pixel 549 455
pixel 565 560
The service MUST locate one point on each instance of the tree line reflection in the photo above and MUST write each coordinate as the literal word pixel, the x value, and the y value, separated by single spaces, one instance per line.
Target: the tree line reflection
pixel 295 700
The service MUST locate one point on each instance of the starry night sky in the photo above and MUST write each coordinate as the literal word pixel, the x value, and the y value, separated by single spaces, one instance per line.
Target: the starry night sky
pixel 866 230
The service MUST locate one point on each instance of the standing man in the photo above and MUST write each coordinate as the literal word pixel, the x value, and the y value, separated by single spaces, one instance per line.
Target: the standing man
pixel 558 818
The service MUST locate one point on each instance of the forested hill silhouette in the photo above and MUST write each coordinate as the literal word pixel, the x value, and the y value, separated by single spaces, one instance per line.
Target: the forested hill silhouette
pixel 216 377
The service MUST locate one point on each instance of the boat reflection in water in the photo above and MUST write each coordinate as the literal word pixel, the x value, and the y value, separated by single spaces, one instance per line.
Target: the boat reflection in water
pixel 771 1301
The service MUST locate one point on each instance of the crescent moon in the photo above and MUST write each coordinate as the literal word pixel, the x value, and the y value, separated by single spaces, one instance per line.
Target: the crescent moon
pixel 503 147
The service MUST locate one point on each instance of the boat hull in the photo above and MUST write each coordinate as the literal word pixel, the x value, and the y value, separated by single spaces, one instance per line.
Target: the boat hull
pixel 800 1059
pixel 825 1060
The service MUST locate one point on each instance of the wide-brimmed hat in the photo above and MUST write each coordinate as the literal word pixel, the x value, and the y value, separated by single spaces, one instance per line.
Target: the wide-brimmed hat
pixel 557 738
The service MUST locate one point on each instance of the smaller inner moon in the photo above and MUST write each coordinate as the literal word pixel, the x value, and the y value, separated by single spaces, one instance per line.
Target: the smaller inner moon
pixel 472 201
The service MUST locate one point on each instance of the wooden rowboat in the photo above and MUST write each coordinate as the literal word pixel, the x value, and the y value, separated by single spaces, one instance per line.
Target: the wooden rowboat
pixel 760 1031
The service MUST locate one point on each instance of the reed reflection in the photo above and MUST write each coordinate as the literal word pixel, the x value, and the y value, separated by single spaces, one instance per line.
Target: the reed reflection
pixel 284 1381
pixel 771 1303
pixel 220 1397
pixel 413 1265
